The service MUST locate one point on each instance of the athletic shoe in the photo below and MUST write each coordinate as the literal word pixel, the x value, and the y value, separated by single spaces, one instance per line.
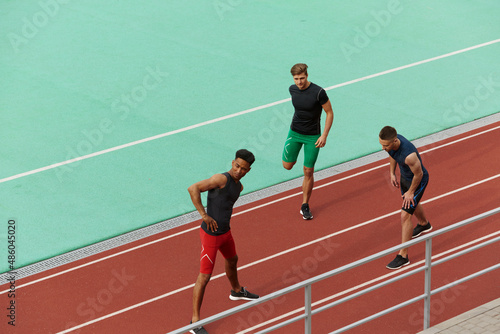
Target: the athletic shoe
pixel 242 295
pixel 199 330
pixel 398 262
pixel 419 229
pixel 305 212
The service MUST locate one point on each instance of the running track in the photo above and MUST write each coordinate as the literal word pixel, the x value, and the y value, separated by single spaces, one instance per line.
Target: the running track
pixel 146 286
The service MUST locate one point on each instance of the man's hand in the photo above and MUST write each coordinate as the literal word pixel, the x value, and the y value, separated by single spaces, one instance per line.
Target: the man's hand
pixel 321 142
pixel 394 181
pixel 211 223
pixel 416 168
pixel 408 199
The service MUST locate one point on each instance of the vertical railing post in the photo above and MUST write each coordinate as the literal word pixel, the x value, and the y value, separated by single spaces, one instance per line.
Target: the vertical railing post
pixel 427 283
pixel 307 303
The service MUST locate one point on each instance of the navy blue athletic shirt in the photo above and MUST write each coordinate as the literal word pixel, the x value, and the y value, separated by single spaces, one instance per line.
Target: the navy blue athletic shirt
pixel 220 205
pixel 405 149
pixel 308 106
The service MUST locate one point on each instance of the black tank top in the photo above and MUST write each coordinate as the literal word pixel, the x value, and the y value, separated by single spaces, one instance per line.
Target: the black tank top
pixel 220 205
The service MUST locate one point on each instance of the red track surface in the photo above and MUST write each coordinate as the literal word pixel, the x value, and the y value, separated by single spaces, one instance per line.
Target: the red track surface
pixel 166 269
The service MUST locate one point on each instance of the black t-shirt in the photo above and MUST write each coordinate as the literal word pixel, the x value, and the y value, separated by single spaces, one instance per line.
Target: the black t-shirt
pixel 308 107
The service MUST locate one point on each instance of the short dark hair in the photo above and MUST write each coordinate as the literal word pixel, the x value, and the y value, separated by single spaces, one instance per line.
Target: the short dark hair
pixel 388 133
pixel 245 155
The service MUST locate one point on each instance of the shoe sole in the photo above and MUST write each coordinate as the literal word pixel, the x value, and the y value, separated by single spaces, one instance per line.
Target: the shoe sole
pixel 193 332
pixel 241 298
pixel 401 266
pixel 305 217
pixel 425 231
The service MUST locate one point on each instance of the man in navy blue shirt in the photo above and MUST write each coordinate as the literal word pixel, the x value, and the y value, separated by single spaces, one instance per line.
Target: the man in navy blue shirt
pixel 413 181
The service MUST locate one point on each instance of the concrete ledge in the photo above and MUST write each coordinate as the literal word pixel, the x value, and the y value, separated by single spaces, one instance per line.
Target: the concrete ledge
pixel 484 319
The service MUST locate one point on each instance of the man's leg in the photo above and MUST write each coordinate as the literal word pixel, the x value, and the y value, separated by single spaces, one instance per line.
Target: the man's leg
pixel 419 213
pixel 232 273
pixel 406 230
pixel 207 259
pixel 307 184
pixel 310 156
pixel 237 291
pixel 198 293
pixel 288 165
pixel 290 151
pixel 423 225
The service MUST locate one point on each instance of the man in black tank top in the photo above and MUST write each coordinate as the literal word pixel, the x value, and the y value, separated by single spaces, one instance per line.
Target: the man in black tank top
pixel 215 232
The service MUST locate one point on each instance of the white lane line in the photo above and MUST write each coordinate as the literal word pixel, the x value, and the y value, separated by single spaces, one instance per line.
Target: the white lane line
pixel 219 119
pixel 272 256
pixel 239 213
pixel 414 64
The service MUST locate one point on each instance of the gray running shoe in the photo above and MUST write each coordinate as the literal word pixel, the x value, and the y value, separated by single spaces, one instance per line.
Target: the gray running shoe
pixel 398 262
pixel 305 212
pixel 419 229
pixel 242 295
pixel 199 330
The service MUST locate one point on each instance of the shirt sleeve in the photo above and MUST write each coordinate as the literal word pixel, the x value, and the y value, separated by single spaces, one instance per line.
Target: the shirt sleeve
pixel 322 97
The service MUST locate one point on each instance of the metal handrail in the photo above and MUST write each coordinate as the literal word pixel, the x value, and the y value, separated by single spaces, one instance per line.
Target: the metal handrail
pixel 306 284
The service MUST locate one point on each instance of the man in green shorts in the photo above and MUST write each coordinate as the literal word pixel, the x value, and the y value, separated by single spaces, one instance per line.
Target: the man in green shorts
pixel 309 100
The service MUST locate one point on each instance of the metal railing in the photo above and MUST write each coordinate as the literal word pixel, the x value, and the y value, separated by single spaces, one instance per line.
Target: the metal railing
pixel 308 312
